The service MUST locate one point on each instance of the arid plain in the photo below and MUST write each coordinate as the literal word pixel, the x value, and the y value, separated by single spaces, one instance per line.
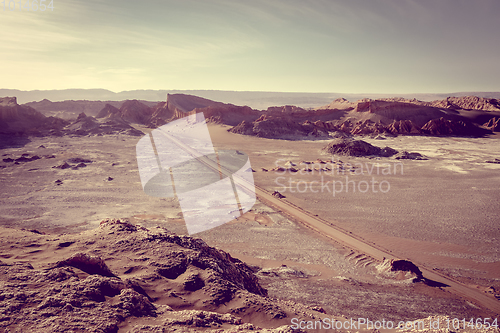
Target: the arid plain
pixel 429 214
pixel 439 212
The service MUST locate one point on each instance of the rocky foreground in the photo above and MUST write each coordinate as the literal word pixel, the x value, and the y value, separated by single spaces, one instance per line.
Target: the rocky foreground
pixel 128 278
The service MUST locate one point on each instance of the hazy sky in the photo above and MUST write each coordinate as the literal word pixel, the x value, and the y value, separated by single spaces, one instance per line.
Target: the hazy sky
pixel 350 46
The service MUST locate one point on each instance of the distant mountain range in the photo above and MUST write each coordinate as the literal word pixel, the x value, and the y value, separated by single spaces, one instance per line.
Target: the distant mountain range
pixel 254 99
pixel 70 109
pixel 455 116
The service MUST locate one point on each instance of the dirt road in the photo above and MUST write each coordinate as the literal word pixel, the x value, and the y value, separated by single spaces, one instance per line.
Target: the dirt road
pixel 350 240
pixel 378 253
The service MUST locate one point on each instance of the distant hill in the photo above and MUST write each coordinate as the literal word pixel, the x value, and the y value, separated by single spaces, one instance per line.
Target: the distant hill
pixel 70 109
pixel 452 116
pixel 23 120
pixel 131 111
pixel 18 118
pixel 255 99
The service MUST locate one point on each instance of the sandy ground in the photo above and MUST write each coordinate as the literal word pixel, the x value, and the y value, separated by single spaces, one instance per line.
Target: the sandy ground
pixel 442 212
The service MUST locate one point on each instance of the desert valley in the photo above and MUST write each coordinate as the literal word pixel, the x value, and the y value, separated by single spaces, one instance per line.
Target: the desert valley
pixel 384 209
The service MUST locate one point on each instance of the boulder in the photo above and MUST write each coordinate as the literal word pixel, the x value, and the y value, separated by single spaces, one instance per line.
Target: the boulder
pixel 278 195
pixel 404 155
pixel 64 165
pixel 349 147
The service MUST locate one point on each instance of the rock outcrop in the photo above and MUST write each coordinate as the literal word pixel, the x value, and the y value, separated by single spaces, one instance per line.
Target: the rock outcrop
pixel 406 127
pixel 405 155
pixel 349 147
pixel 386 116
pixel 18 118
pixel 278 195
pixel 493 124
pixel 468 103
pixel 135 112
pixel 70 109
pixel 279 128
pixel 27 121
pixel 442 126
pixel 339 104
pixel 108 111
pixel 90 126
pixel 182 105
pixel 131 111
pixel 400 269
pixel 123 276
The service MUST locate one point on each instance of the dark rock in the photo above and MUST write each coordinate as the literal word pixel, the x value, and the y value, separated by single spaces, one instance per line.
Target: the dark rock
pixel 278 195
pixel 404 155
pixel 87 263
pixel 173 269
pixel 318 309
pixel 65 165
pixel 36 232
pixel 23 159
pixel 243 128
pixel 349 147
pixel 493 124
pixel 81 116
pixel 445 127
pixel 193 282
pixel 278 127
pixel 406 266
pixel 65 244
pixel 119 225
pixel 388 152
pixel 404 127
pixel 136 304
pixel 78 160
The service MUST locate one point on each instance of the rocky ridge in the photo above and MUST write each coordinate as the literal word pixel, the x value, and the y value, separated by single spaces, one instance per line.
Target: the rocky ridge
pixel 131 111
pixel 454 116
pixel 18 118
pixel 70 109
pixel 147 280
pixel 23 120
pixel 389 116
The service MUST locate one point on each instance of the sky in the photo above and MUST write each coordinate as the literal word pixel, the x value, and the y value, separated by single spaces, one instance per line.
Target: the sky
pixel 345 46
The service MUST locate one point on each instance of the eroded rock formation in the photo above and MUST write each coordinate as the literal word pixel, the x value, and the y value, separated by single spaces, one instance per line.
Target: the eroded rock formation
pixel 136 279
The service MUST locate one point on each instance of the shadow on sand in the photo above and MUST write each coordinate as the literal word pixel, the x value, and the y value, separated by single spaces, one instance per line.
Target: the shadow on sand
pixel 13 141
